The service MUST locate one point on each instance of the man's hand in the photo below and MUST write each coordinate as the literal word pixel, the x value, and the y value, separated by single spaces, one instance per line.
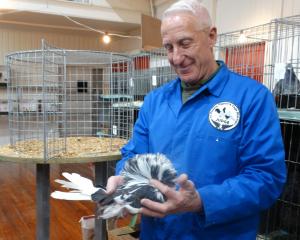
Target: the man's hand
pixel 112 183
pixel 185 199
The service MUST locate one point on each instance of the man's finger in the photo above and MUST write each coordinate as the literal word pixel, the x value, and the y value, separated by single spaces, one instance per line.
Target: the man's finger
pixel 112 184
pixel 150 213
pixel 181 178
pixel 185 183
pixel 164 189
pixel 154 206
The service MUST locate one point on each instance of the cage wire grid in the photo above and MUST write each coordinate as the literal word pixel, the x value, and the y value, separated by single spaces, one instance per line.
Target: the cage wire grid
pixel 263 53
pixel 151 69
pixel 23 86
pixel 270 54
pixel 56 94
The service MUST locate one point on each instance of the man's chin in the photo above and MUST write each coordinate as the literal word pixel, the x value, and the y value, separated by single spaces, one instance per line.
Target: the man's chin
pixel 188 80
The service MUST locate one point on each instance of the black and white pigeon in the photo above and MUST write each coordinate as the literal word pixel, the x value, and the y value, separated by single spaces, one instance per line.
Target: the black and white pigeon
pixel 137 173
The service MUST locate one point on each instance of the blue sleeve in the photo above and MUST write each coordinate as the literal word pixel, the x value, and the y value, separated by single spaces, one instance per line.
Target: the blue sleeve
pixel 139 142
pixel 262 171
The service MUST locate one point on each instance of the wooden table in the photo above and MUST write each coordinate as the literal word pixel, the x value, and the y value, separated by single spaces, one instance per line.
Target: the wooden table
pixel 43 187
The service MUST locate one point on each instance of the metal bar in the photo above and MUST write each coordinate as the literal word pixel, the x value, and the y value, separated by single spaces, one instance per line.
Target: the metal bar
pixel 100 179
pixel 45 132
pixel 42 201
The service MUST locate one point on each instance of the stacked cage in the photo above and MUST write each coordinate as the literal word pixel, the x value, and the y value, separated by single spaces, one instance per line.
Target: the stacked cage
pixel 151 69
pixel 68 103
pixel 270 53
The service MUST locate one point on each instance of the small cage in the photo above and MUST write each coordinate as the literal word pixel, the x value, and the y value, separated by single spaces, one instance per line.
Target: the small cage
pixel 270 53
pixel 151 69
pixel 288 207
pixel 68 103
pixel 282 221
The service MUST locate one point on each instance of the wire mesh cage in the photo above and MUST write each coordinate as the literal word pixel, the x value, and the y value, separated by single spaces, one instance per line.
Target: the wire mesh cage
pixel 151 69
pixel 282 221
pixel 67 103
pixel 270 53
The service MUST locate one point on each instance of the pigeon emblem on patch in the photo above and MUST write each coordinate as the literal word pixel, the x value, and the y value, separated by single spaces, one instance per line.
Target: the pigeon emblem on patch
pixel 224 116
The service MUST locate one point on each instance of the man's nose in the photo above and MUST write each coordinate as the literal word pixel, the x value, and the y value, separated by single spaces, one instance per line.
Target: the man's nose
pixel 177 56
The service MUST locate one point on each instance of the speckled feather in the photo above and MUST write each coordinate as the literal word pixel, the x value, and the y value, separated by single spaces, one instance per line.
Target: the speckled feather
pixel 137 173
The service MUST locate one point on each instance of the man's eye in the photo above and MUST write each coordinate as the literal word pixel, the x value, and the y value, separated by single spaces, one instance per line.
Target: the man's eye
pixel 186 44
pixel 168 47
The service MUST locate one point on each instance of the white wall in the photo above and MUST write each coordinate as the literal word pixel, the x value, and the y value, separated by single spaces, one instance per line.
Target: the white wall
pixel 233 15
pixel 161 6
pixel 228 15
pixel 128 45
pixel 14 39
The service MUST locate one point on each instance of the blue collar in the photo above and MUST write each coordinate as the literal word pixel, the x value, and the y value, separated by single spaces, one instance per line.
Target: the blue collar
pixel 216 85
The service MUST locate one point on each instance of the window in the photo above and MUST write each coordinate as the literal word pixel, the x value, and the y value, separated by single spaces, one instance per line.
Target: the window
pixel 82 86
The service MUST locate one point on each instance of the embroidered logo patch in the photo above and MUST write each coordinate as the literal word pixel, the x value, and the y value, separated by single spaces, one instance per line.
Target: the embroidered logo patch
pixel 224 116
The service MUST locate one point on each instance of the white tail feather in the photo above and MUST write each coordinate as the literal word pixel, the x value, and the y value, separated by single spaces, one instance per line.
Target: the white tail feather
pixel 81 188
pixel 66 184
pixel 70 195
pixel 81 183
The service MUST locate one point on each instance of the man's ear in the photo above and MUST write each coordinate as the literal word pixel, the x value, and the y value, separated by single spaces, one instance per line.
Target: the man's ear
pixel 212 36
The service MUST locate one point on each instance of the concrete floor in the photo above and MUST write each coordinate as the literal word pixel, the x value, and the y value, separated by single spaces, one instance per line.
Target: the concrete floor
pixel 4 131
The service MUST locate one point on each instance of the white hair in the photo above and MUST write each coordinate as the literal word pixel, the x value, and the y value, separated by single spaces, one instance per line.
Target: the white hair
pixel 193 6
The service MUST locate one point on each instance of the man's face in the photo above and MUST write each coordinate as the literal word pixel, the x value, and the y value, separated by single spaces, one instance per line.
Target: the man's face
pixel 189 48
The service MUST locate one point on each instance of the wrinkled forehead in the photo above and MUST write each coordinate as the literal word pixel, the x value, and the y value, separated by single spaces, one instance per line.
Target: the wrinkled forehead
pixel 200 18
pixel 180 21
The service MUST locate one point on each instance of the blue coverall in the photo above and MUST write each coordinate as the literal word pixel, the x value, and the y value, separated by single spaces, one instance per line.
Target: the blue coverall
pixel 227 139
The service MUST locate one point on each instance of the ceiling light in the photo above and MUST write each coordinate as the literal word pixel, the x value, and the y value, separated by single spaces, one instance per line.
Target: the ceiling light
pixel 6 4
pixel 106 38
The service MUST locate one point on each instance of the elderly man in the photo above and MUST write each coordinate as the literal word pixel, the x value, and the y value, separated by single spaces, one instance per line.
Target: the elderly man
pixel 221 132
